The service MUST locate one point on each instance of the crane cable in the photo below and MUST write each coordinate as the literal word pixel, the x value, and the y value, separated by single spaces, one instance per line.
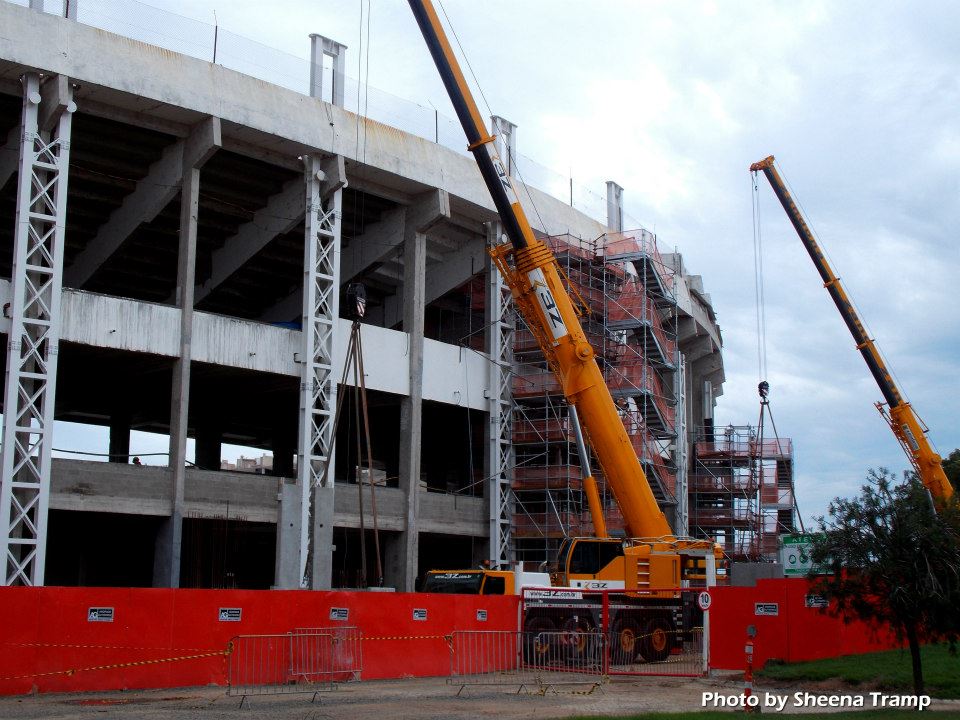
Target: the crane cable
pixel 763 387
pixel 759 298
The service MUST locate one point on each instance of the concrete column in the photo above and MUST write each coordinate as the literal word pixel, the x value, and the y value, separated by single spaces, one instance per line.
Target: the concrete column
pixel 120 436
pixel 166 563
pixel 505 143
pixel 287 562
pixel 420 218
pixel 208 446
pixel 614 206
pixel 321 47
pixel 283 449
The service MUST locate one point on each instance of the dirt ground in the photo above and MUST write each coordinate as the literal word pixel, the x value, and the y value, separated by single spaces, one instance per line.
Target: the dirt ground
pixel 421 699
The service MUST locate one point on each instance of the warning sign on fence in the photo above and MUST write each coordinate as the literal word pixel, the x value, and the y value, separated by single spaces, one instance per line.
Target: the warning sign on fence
pixel 767 609
pixel 100 614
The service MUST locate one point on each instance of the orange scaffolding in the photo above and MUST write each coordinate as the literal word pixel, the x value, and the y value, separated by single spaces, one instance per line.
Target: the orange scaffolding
pixel 741 491
pixel 624 292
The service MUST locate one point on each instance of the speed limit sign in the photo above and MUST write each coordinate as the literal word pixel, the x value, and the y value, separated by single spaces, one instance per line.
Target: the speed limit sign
pixel 703 600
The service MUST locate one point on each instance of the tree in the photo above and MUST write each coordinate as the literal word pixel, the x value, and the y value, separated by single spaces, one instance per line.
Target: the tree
pixel 951 466
pixel 892 561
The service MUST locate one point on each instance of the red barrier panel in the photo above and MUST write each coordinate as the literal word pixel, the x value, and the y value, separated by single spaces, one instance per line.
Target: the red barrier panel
pixel 795 633
pixel 176 638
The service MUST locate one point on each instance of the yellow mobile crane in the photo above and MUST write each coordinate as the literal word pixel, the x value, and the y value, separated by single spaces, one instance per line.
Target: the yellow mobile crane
pixel 652 557
pixel 907 427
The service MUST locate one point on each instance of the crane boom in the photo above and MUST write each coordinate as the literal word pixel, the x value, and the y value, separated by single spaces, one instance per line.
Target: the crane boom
pixel 539 294
pixel 906 426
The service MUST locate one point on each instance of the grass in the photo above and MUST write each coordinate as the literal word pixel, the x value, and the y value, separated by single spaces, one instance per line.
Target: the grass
pixel 714 715
pixel 887 670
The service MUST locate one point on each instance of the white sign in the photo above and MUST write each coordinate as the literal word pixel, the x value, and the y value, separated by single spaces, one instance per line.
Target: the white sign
pixel 100 614
pixel 704 600
pixel 230 614
pixel 481 615
pixel 815 601
pixel 342 614
pixel 795 555
pixel 419 614
pixel 768 609
pixel 554 594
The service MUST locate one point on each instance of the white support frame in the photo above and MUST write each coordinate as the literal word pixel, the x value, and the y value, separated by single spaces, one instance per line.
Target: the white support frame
pixel 33 342
pixel 682 449
pixel 321 310
pixel 500 458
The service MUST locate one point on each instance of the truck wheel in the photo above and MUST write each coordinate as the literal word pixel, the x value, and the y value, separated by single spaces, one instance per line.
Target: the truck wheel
pixel 623 644
pixel 538 637
pixel 576 638
pixel 657 639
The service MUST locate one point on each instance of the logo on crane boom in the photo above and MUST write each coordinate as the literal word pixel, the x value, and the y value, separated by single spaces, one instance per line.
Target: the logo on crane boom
pixel 548 304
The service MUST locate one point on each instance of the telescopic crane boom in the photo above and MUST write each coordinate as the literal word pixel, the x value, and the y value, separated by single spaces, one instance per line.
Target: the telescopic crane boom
pixel 906 426
pixel 539 293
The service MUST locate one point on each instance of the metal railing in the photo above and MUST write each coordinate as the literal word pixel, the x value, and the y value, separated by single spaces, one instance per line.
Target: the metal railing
pixel 541 659
pixel 302 661
pixel 643 632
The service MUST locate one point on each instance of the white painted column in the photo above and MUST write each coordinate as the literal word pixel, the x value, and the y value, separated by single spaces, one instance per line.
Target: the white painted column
pixel 325 179
pixel 500 322
pixel 34 337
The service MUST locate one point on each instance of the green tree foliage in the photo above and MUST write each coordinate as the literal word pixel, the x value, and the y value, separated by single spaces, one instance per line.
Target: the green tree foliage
pixel 951 466
pixel 892 561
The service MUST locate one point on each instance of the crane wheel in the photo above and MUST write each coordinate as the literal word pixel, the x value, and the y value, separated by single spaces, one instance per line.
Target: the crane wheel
pixel 576 638
pixel 538 640
pixel 623 644
pixel 657 639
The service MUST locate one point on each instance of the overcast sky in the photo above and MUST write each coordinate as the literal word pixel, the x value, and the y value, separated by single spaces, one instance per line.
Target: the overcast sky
pixel 674 100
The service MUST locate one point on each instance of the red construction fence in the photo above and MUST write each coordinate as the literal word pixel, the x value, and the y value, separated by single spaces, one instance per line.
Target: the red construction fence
pixel 56 639
pixel 66 639
pixel 790 627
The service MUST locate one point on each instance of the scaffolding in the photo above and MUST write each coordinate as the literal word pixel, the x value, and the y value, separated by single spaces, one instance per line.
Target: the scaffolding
pixel 625 295
pixel 741 491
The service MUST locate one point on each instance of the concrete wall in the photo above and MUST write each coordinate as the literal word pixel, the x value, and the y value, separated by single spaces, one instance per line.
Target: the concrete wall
pixel 452 375
pixel 79 485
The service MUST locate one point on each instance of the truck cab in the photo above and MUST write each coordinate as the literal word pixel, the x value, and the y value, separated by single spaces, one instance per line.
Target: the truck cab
pixel 482 581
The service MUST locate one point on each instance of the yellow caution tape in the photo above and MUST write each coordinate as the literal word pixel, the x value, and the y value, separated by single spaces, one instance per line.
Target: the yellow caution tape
pixel 115 666
pixel 100 647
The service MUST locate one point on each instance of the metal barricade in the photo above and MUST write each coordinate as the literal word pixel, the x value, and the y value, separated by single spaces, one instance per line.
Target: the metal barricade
pixel 525 659
pixel 645 632
pixel 654 635
pixel 331 654
pixel 302 661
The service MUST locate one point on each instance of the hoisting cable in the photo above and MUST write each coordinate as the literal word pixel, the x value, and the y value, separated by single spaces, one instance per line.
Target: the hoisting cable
pixel 763 387
pixel 758 282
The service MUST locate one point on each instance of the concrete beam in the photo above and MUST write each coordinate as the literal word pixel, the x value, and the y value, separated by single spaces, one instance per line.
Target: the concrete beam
pixel 56 98
pixel 698 347
pixel 708 364
pixel 151 195
pixel 137 119
pixel 457 267
pixel 377 244
pixel 10 154
pixel 283 212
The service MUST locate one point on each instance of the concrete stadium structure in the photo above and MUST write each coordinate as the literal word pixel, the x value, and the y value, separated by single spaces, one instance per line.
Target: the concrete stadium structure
pixel 175 238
